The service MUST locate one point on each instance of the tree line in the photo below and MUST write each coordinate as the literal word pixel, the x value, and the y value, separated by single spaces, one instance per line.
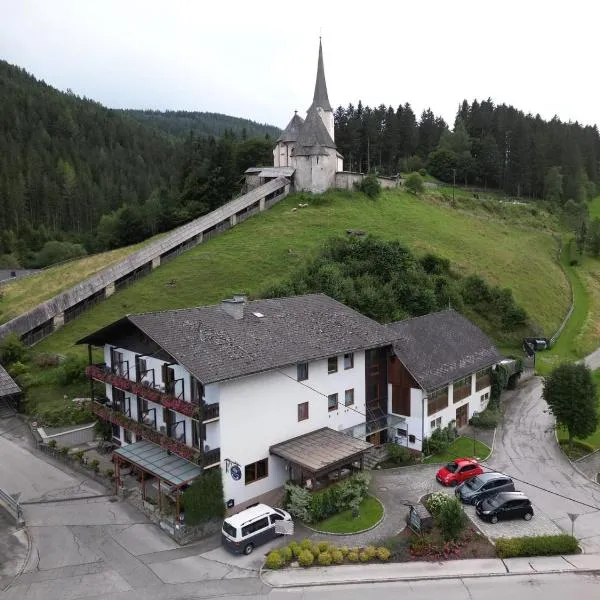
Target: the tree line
pixel 76 177
pixel 489 145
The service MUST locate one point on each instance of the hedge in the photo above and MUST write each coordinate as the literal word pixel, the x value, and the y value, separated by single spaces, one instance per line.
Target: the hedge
pixel 543 545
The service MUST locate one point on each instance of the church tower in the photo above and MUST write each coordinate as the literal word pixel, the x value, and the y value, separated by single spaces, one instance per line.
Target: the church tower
pixel 320 99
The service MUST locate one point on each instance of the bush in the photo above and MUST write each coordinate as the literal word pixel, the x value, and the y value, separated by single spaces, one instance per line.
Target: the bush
pixel 439 441
pixel 297 502
pixel 383 553
pixel 422 172
pixel 52 444
pixel 487 419
pixel 274 560
pixel 79 455
pixel 370 186
pixel 94 465
pixel 414 183
pixel 451 519
pixel 323 546
pixel 353 556
pixel 306 544
pixel 436 502
pixel 399 455
pixel 295 548
pixel 18 368
pixel 363 557
pixel 306 558
pixel 325 559
pixel 204 500
pixel 64 450
pixel 315 550
pixel 109 473
pixel 286 553
pixel 543 545
pixel 12 350
pixel 337 557
pixel 72 370
pixel 344 550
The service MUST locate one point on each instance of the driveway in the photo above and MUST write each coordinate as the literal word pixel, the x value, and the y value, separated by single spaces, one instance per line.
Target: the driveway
pixel 526 449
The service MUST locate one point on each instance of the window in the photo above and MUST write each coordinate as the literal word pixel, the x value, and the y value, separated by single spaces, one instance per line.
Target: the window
pixel 256 471
pixel 349 360
pixel 302 369
pixel 349 397
pixel 462 388
pixel 436 423
pixel 255 526
pixel 411 439
pixel 332 402
pixel 303 411
pixel 483 398
pixel 332 364
pixel 483 379
pixel 276 518
pixel 437 401
pixel 401 432
pixel 128 437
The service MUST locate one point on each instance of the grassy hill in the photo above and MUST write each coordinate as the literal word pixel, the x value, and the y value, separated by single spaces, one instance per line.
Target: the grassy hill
pixel 510 245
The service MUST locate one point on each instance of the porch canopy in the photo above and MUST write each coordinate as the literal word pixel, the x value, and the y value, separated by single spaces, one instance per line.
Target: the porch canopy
pixel 160 463
pixel 322 451
pixel 9 390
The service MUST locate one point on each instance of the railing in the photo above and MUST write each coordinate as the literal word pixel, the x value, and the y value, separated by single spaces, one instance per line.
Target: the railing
pixel 11 504
pixel 212 457
pixel 210 411
pixel 145 391
pixel 145 431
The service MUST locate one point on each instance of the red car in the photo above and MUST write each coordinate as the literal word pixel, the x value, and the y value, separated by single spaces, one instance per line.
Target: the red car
pixel 457 471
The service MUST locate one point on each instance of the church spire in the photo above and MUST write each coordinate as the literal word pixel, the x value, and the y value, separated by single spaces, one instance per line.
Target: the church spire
pixel 320 98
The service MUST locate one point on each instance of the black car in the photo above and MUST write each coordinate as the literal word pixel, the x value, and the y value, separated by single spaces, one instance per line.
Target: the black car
pixel 483 486
pixel 505 505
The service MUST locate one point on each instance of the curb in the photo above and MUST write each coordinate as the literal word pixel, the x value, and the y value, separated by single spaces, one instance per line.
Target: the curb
pixel 409 579
pixel 576 468
pixel 341 535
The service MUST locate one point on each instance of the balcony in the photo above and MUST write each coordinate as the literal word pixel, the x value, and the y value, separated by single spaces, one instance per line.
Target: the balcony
pixel 149 433
pixel 142 390
pixel 210 412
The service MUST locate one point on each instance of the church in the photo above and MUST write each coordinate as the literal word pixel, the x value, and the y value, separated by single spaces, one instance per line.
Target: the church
pixel 306 152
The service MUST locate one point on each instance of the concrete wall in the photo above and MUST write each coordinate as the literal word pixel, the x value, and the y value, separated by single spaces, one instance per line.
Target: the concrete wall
pixel 315 173
pixel 73 437
pixel 262 410
pixel 47 316
pixel 347 180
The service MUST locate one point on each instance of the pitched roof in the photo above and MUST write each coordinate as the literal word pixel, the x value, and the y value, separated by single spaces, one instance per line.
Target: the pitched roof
pixel 273 333
pixel 8 387
pixel 320 97
pixel 441 347
pixel 313 137
pixel 290 133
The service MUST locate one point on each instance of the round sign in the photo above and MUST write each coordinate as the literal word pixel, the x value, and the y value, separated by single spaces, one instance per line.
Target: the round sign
pixel 236 473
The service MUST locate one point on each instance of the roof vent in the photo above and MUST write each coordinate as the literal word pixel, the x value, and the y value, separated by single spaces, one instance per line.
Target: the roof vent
pixel 234 307
pixel 258 314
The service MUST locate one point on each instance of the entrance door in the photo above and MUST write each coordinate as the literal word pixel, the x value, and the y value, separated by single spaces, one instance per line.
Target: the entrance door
pixel 462 415
pixel 374 438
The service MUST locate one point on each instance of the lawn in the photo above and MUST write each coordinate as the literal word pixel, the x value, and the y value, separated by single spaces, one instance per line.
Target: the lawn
pixel 462 447
pixel 268 247
pixel 27 292
pixel 371 512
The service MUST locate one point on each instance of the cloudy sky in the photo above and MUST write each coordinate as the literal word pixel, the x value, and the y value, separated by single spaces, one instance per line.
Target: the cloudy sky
pixel 258 59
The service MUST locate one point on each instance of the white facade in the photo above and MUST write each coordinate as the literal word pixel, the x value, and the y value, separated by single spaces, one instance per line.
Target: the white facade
pixel 420 425
pixel 316 173
pixel 261 410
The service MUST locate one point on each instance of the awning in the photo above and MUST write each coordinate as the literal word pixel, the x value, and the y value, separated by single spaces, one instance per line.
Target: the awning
pixel 321 451
pixel 158 462
pixel 8 387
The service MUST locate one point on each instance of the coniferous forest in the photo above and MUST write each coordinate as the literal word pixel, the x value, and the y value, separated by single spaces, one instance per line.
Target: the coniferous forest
pixel 78 178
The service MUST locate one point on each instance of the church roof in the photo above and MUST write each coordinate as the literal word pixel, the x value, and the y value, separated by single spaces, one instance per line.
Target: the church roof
pixel 290 133
pixel 313 137
pixel 320 98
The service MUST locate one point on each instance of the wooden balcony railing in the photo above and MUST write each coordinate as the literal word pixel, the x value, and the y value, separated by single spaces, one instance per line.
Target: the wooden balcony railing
pixel 102 373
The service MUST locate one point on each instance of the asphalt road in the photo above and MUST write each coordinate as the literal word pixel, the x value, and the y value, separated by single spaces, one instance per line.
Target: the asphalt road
pixel 525 448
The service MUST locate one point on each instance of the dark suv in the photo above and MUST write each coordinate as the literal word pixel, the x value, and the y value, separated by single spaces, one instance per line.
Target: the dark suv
pixel 505 505
pixel 484 486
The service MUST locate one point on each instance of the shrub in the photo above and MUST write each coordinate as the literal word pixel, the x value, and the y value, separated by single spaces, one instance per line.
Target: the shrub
pixel 64 450
pixel 315 550
pixel 18 368
pixel 323 546
pixel 337 557
pixel 435 502
pixel 12 350
pixel 353 556
pixel 371 552
pixel 94 465
pixel 363 556
pixel 274 560
pixel 204 500
pixel 414 183
pixel 399 455
pixel 72 370
pixel 345 495
pixel 422 172
pixel 295 548
pixel 440 439
pixel 370 186
pixel 298 501
pixel 52 444
pixel 451 519
pixel 286 553
pixel 344 550
pixel 79 455
pixel 325 559
pixel 306 544
pixel 543 545
pixel 109 473
pixel 305 558
pixel 487 419
pixel 383 553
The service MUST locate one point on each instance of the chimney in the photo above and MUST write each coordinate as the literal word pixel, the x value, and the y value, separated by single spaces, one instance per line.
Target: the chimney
pixel 234 307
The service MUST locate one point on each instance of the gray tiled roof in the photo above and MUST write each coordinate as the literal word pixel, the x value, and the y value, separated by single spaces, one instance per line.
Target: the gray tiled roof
pixel 8 387
pixel 314 136
pixel 441 347
pixel 214 346
pixel 320 97
pixel 321 449
pixel 290 133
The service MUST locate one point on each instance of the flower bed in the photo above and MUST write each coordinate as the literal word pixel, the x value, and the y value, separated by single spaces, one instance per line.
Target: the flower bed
pixel 370 512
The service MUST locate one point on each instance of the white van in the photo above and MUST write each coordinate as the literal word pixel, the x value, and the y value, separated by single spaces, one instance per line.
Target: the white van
pixel 251 527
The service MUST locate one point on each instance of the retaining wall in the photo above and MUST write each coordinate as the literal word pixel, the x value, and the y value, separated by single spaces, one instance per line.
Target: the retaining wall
pixel 52 314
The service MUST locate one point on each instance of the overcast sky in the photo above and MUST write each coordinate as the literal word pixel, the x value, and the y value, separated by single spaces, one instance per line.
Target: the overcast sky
pixel 258 59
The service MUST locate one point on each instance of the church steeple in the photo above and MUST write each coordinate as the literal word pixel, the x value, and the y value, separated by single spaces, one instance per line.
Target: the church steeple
pixel 320 99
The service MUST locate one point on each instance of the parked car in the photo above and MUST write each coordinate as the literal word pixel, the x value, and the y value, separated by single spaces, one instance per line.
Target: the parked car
pixel 457 471
pixel 505 505
pixel 483 486
pixel 246 530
